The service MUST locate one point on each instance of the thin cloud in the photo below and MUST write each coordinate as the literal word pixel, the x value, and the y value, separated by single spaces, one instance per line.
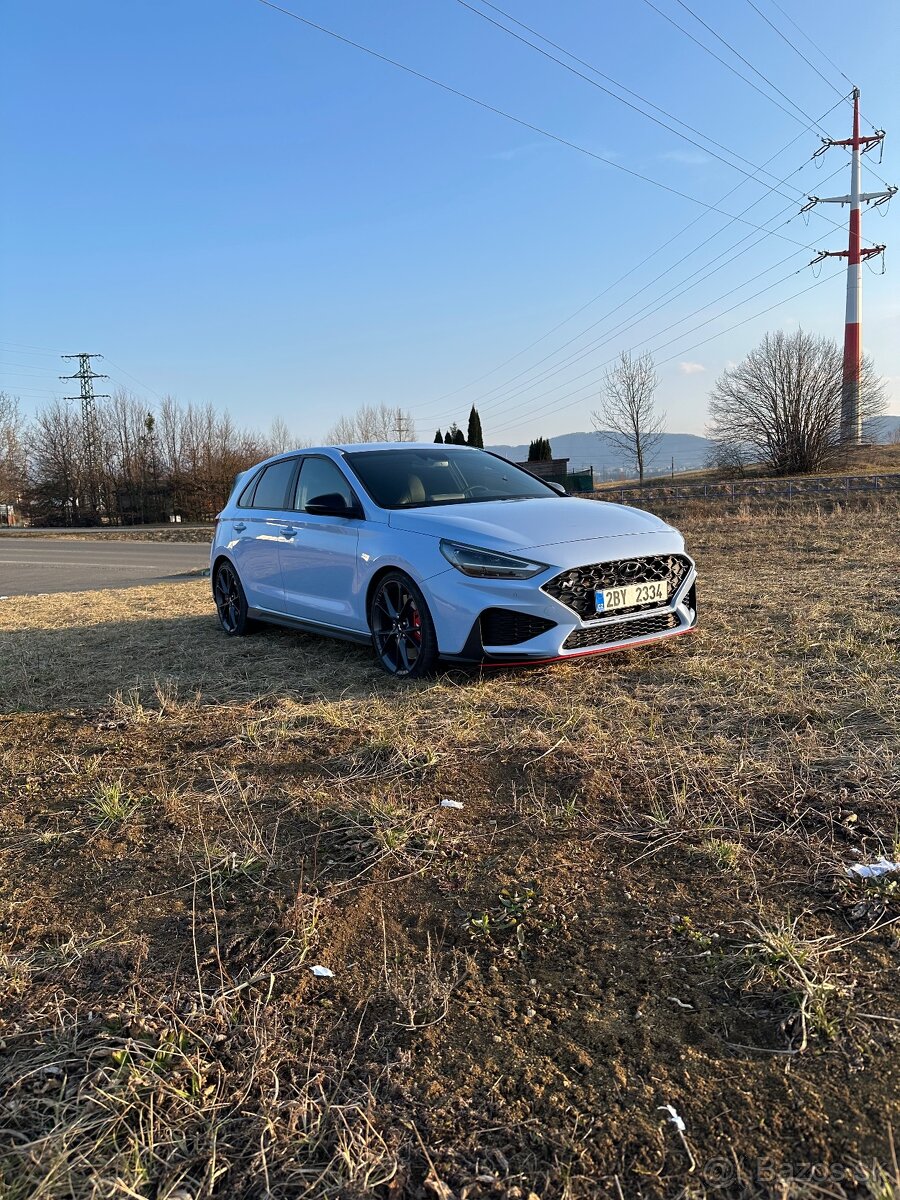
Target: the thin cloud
pixel 516 151
pixel 691 368
pixel 688 158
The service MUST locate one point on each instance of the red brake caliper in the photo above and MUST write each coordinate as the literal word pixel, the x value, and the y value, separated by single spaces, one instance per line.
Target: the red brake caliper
pixel 416 631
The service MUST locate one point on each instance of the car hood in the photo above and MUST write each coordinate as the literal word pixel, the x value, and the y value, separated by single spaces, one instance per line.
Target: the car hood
pixel 528 524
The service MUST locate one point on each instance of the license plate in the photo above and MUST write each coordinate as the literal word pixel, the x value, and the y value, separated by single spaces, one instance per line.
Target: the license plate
pixel 609 599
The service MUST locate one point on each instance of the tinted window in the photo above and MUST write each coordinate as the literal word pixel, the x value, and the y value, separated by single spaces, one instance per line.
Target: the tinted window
pixel 320 477
pixel 247 493
pixel 271 491
pixel 425 478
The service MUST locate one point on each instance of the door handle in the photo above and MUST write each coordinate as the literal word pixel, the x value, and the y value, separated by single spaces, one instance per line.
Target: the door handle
pixel 239 527
pixel 288 531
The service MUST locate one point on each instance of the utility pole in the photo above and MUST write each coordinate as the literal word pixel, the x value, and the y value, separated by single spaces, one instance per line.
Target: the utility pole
pixel 86 375
pixel 400 428
pixel 851 416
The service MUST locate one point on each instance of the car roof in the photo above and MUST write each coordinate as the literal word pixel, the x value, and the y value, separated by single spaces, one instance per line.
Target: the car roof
pixel 366 447
pixel 356 448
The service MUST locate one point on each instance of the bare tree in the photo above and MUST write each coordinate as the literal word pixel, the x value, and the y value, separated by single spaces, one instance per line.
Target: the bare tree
pixel 627 417
pixel 150 463
pixel 12 450
pixel 730 461
pixel 373 423
pixel 56 465
pixel 783 403
pixel 280 438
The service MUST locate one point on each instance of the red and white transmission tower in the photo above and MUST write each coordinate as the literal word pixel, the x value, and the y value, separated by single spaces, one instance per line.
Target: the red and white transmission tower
pixel 851 417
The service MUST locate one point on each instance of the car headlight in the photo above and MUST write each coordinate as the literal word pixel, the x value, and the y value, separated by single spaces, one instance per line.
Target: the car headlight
pixel 489 564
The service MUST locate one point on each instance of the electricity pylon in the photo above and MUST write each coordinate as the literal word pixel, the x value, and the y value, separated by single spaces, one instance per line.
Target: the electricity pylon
pixel 851 415
pixel 87 375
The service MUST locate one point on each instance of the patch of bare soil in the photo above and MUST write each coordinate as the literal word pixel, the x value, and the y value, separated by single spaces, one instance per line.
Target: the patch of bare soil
pixel 632 964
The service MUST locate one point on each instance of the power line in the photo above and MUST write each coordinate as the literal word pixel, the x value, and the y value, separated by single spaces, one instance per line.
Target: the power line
pixel 672 324
pixel 593 82
pixel 831 62
pixel 552 58
pixel 43 353
pixel 134 378
pixel 684 349
pixel 446 87
pixel 653 254
pixel 30 366
pixel 638 317
pixel 732 68
pixel 34 349
pixel 796 49
pixel 487 399
pixel 811 42
pixel 744 60
pixel 762 313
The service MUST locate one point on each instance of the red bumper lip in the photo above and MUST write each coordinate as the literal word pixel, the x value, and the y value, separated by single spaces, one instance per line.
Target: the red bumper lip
pixel 538 662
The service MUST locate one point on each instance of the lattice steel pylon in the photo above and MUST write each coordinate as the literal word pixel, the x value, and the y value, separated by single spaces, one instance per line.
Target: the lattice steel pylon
pixel 87 375
pixel 851 414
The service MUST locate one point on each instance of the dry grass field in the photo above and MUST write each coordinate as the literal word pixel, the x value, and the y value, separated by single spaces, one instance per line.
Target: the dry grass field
pixel 642 902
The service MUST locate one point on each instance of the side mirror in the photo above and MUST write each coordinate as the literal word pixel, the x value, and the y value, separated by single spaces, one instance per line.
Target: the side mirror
pixel 332 504
pixel 559 488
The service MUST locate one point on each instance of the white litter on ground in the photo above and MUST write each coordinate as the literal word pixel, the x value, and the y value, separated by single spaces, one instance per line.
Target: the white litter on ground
pixel 673 1116
pixel 322 972
pixel 451 804
pixel 875 870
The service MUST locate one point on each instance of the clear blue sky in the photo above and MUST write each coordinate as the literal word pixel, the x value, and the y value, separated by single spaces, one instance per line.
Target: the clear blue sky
pixel 234 207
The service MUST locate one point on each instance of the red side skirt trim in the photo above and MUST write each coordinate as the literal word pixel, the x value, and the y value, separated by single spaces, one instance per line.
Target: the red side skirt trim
pixel 537 662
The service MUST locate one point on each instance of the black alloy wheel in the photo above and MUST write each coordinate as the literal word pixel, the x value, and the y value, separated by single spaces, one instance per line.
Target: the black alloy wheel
pixel 231 603
pixel 402 629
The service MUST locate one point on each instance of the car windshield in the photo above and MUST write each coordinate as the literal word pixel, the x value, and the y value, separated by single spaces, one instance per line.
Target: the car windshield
pixel 424 478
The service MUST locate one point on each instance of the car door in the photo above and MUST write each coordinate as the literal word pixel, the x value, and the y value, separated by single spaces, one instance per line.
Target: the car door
pixel 319 563
pixel 258 526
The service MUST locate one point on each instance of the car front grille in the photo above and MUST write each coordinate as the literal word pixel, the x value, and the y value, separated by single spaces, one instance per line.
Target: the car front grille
pixel 506 627
pixel 575 588
pixel 603 635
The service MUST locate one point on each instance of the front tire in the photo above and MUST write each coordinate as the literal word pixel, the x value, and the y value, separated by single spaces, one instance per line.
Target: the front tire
pixel 230 601
pixel 402 629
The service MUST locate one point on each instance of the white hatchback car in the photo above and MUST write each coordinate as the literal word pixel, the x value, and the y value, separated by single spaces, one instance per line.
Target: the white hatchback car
pixel 431 551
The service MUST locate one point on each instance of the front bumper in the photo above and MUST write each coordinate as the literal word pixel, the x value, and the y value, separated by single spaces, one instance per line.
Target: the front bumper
pixel 502 614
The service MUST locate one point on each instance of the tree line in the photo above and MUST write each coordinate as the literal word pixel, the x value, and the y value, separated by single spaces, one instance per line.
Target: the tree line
pixel 137 464
pixel 780 406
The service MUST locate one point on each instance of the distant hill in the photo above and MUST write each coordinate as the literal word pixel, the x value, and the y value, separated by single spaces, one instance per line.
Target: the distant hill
pixel 884 429
pixel 689 451
pixel 590 449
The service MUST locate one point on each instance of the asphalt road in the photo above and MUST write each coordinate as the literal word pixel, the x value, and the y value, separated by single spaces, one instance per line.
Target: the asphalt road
pixel 33 565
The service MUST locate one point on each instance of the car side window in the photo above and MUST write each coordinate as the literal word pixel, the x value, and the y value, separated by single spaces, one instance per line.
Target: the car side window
pixel 271 490
pixel 246 495
pixel 320 477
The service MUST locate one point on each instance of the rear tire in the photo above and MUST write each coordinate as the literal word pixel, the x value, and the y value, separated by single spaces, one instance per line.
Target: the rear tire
pixel 231 601
pixel 402 629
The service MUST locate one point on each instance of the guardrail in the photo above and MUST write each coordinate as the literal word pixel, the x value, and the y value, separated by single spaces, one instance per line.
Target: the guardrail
pixel 788 490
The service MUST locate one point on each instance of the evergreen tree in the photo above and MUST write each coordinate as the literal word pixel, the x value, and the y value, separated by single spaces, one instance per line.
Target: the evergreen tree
pixel 439 437
pixel 450 435
pixel 475 437
pixel 539 450
pixel 459 438
pixel 448 438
